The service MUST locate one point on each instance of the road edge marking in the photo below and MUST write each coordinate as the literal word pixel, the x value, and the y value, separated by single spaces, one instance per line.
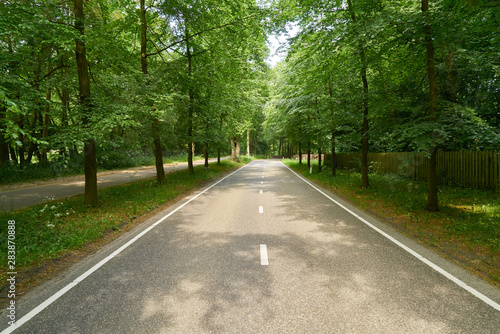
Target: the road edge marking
pixel 431 264
pixel 31 314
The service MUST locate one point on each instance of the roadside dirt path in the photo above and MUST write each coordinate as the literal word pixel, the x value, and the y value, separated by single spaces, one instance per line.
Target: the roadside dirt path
pixel 21 195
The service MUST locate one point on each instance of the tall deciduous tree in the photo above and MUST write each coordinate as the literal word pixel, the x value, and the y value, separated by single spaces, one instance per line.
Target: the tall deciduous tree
pixel 155 126
pixel 90 161
pixel 365 127
pixel 432 188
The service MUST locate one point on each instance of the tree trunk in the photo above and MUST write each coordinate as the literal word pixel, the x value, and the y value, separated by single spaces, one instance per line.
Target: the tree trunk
pixel 255 142
pixel 330 88
pixel 432 189
pixel 90 165
pixel 144 27
pixel 220 134
pixel 334 167
pixel 155 128
pixel 64 97
pixel 205 154
pixel 35 120
pixel 90 161
pixel 160 172
pixel 309 155
pixel 238 147
pixel 13 156
pixel 451 93
pixel 22 148
pixel 190 109
pixel 4 146
pixel 300 153
pixel 364 130
pixel 248 143
pixel 233 149
pixel 45 128
pixel 319 160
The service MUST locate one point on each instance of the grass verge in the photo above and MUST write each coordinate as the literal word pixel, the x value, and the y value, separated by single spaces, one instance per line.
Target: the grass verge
pixel 466 230
pixel 54 232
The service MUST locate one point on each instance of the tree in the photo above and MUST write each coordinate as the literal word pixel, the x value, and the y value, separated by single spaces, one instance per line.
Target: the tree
pixel 155 127
pixel 432 195
pixel 364 79
pixel 90 161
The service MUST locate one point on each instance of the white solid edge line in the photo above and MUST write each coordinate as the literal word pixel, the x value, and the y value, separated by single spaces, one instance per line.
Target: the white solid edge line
pixel 431 264
pixel 86 274
pixel 264 261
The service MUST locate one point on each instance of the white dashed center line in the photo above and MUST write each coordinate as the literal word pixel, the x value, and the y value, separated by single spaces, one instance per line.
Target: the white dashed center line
pixel 261 209
pixel 263 255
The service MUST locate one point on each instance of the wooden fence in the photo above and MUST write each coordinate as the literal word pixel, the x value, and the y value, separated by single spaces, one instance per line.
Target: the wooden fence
pixel 476 170
pixel 313 157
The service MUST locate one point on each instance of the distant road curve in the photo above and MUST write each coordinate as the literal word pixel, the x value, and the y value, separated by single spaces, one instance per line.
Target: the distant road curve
pixel 22 196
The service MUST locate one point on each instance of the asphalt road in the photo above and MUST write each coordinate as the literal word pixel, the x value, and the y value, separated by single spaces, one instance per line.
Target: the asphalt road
pixel 261 252
pixel 24 197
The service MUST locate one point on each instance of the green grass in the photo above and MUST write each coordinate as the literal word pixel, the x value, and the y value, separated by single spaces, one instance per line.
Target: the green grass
pixel 48 231
pixel 467 227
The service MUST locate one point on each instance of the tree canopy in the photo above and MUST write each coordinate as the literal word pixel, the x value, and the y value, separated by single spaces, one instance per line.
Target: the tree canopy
pixel 190 75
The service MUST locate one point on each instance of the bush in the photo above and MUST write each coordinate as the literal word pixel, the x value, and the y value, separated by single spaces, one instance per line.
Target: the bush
pixel 114 160
pixel 11 173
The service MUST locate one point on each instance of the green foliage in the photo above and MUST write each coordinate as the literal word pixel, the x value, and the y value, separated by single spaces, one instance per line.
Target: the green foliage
pixel 321 75
pixel 37 60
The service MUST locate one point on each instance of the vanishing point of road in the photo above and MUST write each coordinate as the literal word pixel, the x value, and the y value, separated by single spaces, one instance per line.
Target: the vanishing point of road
pixel 261 251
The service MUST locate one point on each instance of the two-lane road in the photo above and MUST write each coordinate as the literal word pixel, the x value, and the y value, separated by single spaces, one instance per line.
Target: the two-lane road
pixel 261 252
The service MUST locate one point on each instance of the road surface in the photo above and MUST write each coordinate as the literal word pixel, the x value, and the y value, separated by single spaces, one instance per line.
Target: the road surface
pixel 261 251
pixel 24 197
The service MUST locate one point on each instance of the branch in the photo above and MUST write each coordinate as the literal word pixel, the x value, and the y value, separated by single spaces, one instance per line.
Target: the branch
pixel 196 34
pixel 119 31
pixel 50 73
pixel 421 82
pixel 95 82
pixel 200 53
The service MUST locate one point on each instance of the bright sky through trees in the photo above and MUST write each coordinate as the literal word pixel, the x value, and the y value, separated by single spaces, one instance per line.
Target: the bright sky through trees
pixel 278 45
